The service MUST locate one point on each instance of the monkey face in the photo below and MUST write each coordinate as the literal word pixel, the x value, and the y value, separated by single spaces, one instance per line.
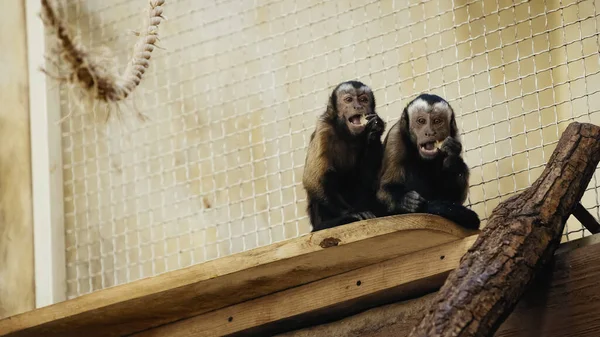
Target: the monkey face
pixel 355 106
pixel 429 124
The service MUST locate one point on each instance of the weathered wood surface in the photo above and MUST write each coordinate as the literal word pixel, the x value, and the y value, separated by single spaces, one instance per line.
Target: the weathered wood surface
pixel 334 297
pixel 233 279
pixel 563 302
pixel 521 235
pixel 17 293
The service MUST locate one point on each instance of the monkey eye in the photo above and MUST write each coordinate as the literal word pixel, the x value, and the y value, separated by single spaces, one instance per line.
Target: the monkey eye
pixel 348 99
pixel 363 99
pixel 421 120
pixel 437 121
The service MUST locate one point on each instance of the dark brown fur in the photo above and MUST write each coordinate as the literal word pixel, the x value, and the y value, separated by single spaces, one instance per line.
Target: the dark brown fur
pixel 343 160
pixel 413 180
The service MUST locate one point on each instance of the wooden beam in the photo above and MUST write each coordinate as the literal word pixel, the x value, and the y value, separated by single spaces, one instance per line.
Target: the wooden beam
pixel 586 219
pixel 16 216
pixel 236 278
pixel 46 167
pixel 334 297
pixel 562 302
pixel 396 319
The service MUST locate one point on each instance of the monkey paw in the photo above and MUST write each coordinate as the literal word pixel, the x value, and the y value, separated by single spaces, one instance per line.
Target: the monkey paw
pixel 451 146
pixel 411 202
pixel 375 125
pixel 364 215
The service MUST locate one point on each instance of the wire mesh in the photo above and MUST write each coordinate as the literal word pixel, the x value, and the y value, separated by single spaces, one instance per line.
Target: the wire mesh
pixel 234 96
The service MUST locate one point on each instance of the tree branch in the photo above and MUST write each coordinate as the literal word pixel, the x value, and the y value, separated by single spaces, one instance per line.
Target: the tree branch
pixel 519 239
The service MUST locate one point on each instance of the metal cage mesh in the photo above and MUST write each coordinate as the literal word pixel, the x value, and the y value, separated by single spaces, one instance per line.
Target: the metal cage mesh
pixel 234 96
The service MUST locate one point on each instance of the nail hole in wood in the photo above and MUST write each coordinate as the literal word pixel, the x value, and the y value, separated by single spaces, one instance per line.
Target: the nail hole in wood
pixel 442 257
pixel 358 283
pixel 230 319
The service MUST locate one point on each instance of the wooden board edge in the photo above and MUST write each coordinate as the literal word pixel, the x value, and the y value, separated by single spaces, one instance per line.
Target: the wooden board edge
pixel 561 302
pixel 116 303
pixel 327 299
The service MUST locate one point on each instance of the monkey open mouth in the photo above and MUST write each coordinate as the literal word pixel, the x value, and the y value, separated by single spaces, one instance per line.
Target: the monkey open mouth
pixel 356 119
pixel 429 148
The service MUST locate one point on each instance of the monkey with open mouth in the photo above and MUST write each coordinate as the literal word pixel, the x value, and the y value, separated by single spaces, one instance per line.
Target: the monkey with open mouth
pixel 423 170
pixel 344 158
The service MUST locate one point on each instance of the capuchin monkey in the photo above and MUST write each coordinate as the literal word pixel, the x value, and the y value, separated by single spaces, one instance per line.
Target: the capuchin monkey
pixel 344 158
pixel 423 170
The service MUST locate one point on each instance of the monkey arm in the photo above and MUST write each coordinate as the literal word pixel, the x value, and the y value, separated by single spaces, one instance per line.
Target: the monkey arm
pixel 333 200
pixel 374 129
pixel 395 195
pixel 398 200
pixel 372 163
pixel 393 192
pixel 374 151
pixel 455 173
pixel 459 214
pixel 331 209
pixel 455 178
pixel 323 188
pixel 320 178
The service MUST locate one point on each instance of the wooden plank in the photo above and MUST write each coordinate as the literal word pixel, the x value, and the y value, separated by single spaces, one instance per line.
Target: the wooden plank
pixel 46 164
pixel 408 275
pixel 396 319
pixel 229 280
pixel 562 302
pixel 16 224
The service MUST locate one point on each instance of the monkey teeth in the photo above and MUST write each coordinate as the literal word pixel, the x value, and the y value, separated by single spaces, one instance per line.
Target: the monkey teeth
pixel 438 144
pixel 429 148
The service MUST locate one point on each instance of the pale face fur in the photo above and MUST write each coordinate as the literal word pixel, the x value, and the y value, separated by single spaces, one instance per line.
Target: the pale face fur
pixel 429 125
pixel 353 106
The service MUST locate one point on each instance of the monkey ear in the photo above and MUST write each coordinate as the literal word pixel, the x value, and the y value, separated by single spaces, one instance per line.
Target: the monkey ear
pixel 404 121
pixel 333 97
pixel 331 111
pixel 373 102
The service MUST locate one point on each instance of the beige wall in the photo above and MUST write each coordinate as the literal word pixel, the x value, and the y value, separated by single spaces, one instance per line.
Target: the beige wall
pixel 234 96
pixel 17 293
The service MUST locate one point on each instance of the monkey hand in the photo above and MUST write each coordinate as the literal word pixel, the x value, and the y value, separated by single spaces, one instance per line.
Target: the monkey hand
pixel 375 126
pixel 451 147
pixel 363 215
pixel 455 166
pixel 411 202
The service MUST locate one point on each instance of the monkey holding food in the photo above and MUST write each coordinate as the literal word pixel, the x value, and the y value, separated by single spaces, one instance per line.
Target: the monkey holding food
pixel 344 158
pixel 422 169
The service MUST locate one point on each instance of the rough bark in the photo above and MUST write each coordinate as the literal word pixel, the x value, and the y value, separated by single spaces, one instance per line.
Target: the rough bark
pixel 519 239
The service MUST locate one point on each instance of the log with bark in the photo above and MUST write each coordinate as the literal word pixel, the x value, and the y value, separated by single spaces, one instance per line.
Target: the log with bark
pixel 520 238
